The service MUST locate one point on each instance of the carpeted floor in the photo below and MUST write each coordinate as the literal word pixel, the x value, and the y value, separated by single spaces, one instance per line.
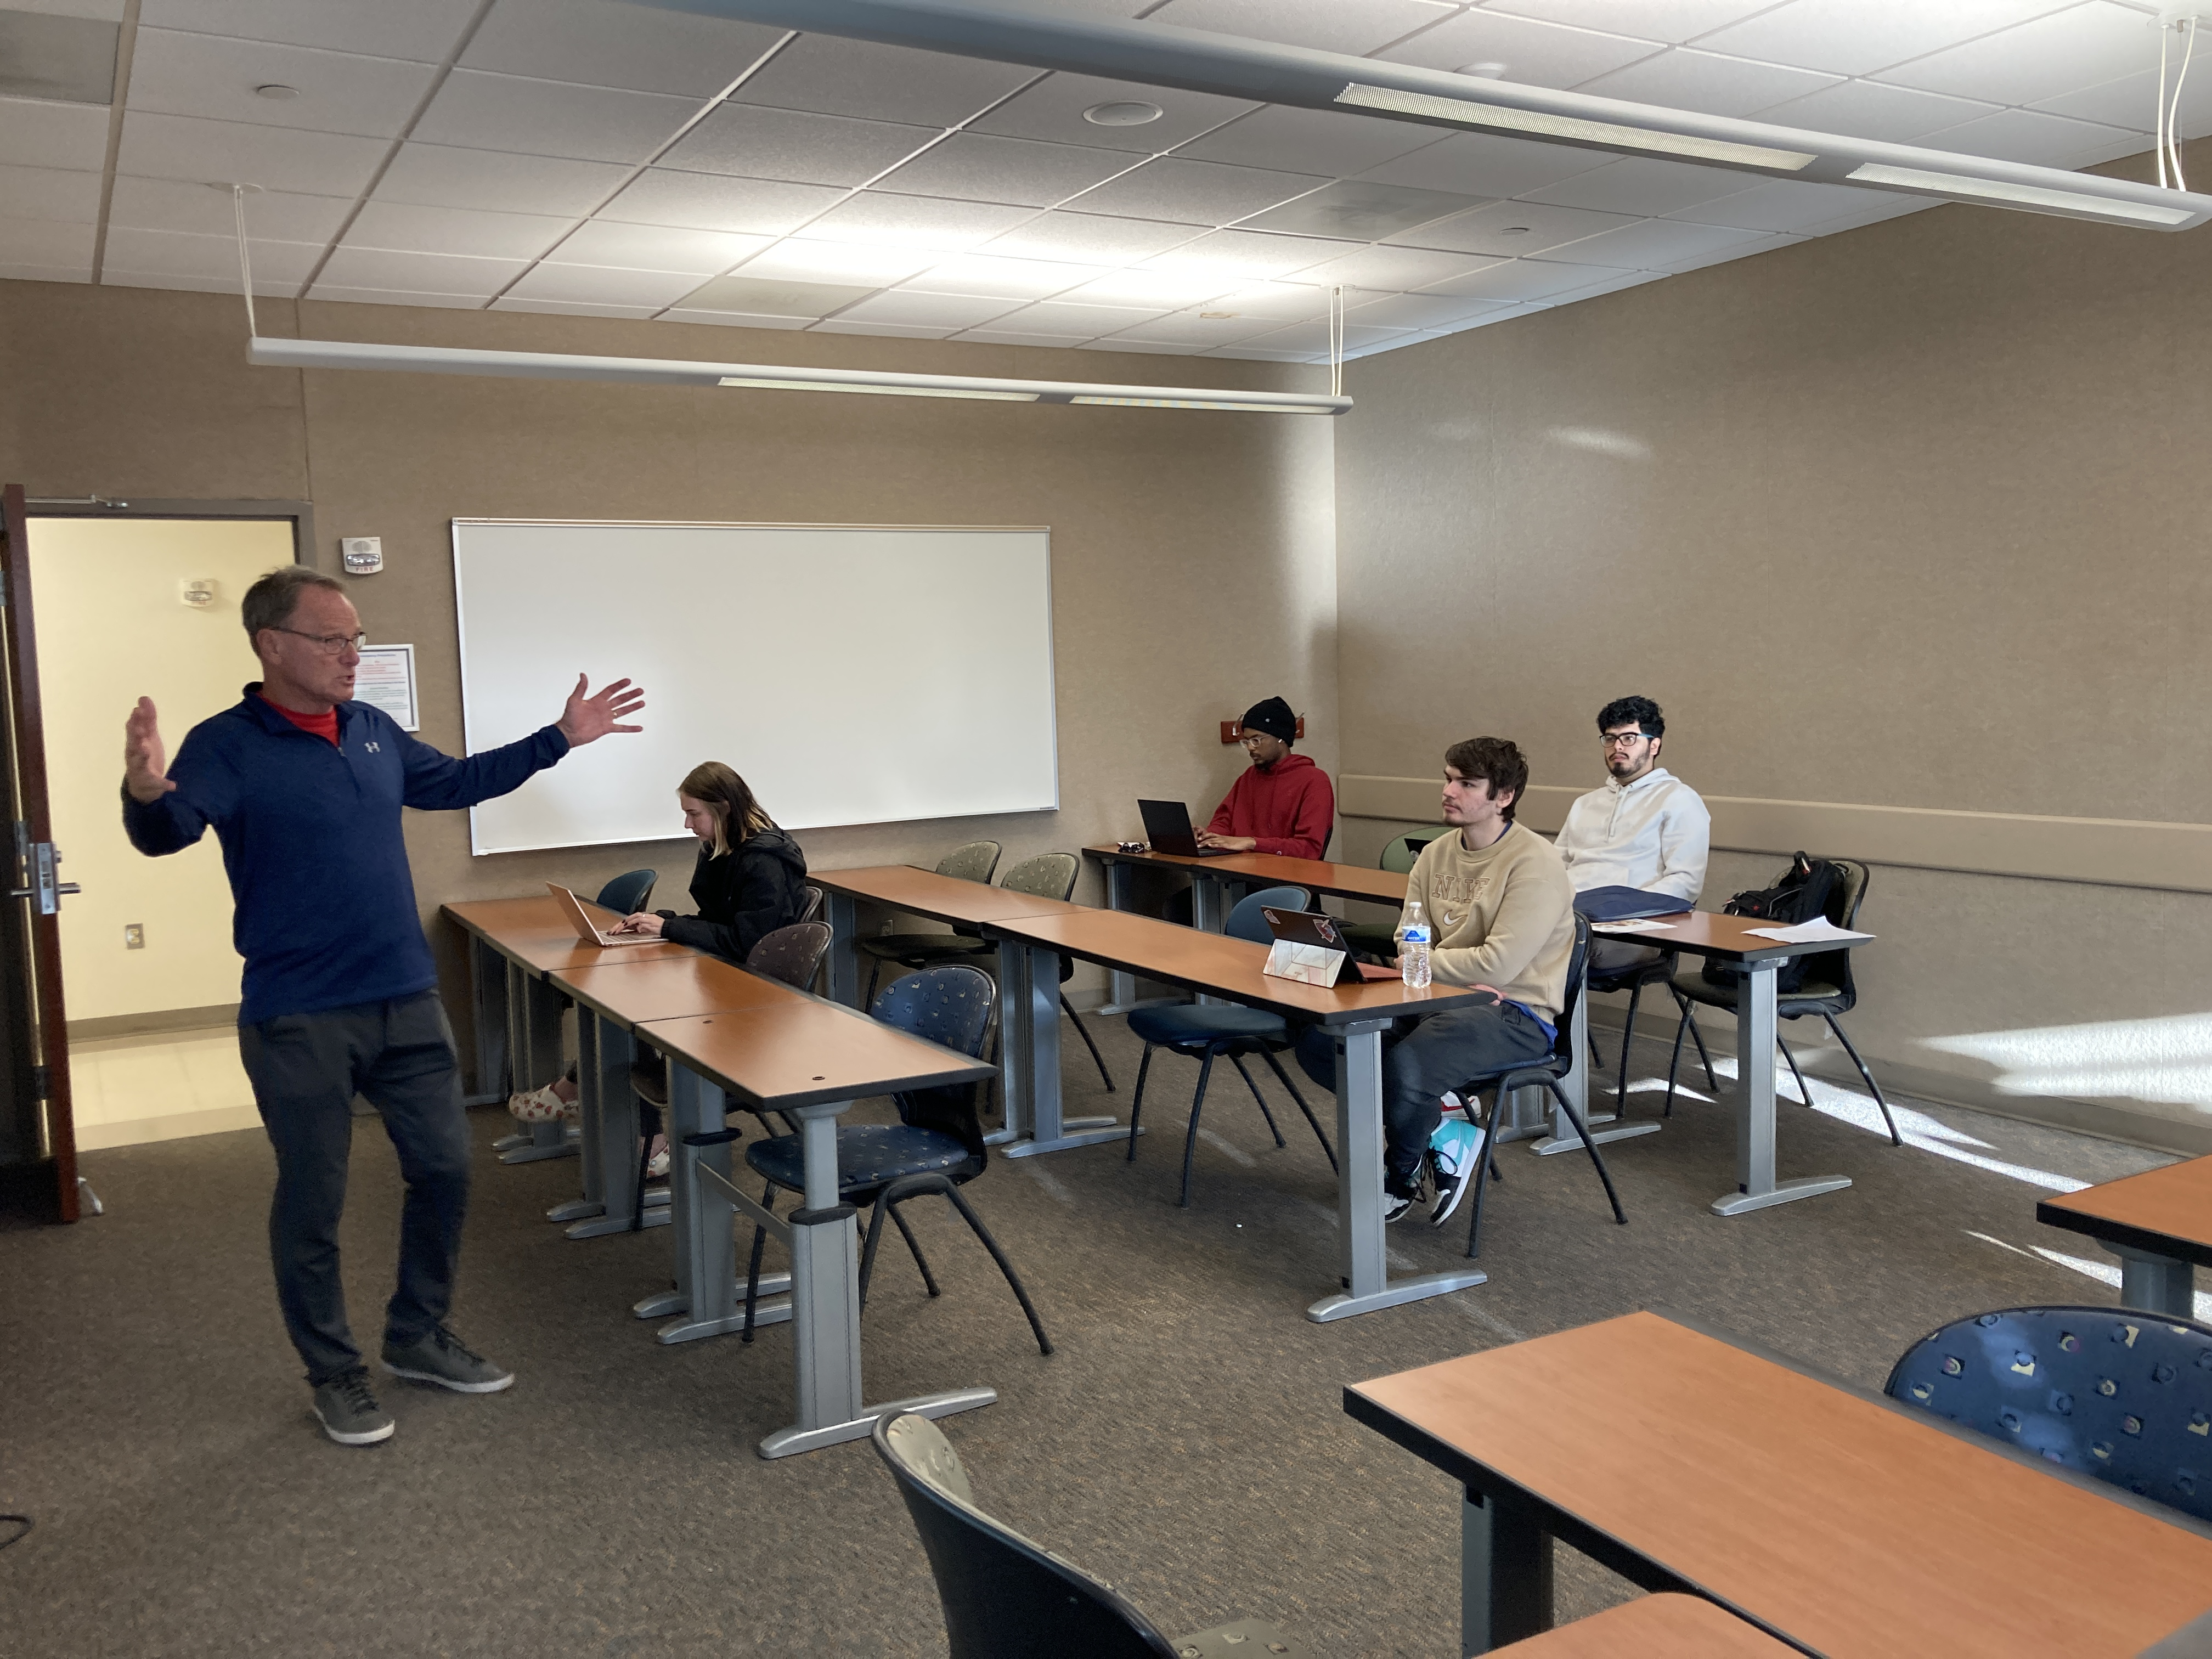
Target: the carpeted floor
pixel 1185 1443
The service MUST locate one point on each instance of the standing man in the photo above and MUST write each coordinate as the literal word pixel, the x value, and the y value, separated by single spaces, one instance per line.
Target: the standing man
pixel 1284 804
pixel 303 787
pixel 1645 829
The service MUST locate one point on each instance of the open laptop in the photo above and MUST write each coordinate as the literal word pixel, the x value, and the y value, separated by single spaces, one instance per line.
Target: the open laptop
pixel 580 918
pixel 1167 827
pixel 1311 927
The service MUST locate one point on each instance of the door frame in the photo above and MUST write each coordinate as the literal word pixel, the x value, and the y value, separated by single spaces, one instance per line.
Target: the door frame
pixel 301 513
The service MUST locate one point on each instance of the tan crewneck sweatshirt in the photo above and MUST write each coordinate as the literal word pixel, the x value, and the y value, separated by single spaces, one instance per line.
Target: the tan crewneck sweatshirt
pixel 1502 917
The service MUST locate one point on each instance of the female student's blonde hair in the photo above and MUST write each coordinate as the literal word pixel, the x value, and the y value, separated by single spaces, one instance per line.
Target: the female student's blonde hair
pixel 727 795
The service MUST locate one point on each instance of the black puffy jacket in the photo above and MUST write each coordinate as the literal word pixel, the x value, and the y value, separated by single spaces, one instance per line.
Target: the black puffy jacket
pixel 743 896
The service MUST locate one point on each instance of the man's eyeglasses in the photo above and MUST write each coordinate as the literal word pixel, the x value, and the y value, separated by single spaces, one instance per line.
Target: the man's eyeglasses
pixel 331 644
pixel 1622 739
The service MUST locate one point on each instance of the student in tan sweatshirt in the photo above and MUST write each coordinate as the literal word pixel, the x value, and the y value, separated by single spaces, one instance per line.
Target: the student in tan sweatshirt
pixel 1501 908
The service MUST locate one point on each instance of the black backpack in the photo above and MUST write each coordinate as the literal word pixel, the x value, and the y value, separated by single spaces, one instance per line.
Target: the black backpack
pixel 1801 895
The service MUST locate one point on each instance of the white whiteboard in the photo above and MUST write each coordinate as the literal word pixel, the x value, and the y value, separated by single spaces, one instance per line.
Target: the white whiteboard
pixel 851 674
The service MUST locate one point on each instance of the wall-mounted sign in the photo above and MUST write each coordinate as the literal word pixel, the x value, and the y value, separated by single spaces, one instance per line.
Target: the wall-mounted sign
pixel 385 679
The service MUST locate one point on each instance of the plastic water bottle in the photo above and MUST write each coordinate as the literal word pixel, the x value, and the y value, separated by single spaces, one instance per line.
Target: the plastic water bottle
pixel 1413 949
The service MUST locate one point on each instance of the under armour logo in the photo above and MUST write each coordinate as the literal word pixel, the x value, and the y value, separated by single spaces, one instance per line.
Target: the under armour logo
pixel 371 748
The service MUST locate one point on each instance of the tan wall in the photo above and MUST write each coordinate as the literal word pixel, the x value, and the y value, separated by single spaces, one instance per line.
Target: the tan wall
pixel 1192 553
pixel 107 592
pixel 1909 517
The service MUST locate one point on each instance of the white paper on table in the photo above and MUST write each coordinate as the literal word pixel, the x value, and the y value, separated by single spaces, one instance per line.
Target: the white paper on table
pixel 1309 965
pixel 1807 933
pixel 1633 925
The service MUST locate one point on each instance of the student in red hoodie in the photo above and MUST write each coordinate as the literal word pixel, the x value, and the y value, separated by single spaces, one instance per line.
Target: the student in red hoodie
pixel 1284 804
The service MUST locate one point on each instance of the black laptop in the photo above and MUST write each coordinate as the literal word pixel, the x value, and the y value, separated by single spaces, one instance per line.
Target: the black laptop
pixel 1167 827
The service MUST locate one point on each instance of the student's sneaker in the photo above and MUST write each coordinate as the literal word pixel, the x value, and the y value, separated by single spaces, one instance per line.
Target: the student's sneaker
pixel 1452 1152
pixel 441 1357
pixel 656 1167
pixel 1453 1106
pixel 346 1406
pixel 1397 1202
pixel 540 1106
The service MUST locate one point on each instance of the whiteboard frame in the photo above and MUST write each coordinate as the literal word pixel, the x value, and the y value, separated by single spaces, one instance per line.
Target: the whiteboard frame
pixel 460 645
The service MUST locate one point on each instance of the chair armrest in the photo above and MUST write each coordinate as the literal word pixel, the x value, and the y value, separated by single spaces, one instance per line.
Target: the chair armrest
pixel 714 1137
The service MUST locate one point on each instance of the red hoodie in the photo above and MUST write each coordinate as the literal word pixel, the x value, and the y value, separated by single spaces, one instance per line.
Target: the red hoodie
pixel 1288 808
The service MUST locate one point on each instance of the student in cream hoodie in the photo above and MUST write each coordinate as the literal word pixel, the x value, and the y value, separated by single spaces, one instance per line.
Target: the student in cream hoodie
pixel 1645 829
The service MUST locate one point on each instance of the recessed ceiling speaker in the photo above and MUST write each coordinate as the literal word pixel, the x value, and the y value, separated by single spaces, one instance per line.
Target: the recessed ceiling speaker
pixel 1129 113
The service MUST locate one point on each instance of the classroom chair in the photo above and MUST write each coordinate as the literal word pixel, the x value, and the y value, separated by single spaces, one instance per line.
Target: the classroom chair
pixel 1381 938
pixel 1208 1031
pixel 810 908
pixel 1633 979
pixel 1006 1597
pixel 1828 990
pixel 1544 1074
pixel 2108 1392
pixel 936 1146
pixel 628 893
pixel 973 862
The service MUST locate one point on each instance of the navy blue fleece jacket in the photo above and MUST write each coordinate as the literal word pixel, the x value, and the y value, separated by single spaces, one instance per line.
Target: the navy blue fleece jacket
pixel 326 903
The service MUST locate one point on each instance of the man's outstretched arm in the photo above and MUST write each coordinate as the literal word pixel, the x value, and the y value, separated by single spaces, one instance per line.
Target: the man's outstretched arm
pixel 155 816
pixel 437 782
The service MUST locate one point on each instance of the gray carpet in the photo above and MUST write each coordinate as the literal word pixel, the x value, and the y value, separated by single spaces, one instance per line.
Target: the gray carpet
pixel 1187 1442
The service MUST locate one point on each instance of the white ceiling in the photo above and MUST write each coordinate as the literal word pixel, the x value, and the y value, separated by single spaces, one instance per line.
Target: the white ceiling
pixel 594 157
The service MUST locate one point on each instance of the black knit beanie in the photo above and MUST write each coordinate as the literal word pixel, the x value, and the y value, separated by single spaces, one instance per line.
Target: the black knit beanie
pixel 1272 716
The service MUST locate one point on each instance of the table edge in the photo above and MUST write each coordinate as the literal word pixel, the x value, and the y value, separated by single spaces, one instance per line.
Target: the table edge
pixel 970 1071
pixel 2054 1212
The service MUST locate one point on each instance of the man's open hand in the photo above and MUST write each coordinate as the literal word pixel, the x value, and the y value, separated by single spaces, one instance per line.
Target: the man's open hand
pixel 587 719
pixel 145 768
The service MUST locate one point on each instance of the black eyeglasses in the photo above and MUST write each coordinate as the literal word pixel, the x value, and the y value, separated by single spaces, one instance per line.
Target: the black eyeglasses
pixel 331 644
pixel 1621 739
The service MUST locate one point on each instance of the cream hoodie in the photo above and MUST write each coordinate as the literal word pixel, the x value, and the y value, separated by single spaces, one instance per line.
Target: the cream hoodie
pixel 1502 917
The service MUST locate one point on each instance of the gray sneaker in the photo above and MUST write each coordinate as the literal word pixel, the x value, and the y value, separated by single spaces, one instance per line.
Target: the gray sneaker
pixel 347 1409
pixel 441 1357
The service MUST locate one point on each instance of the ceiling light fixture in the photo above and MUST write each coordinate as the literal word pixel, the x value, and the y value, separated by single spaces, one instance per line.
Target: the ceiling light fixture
pixel 1123 112
pixel 274 90
pixel 1233 66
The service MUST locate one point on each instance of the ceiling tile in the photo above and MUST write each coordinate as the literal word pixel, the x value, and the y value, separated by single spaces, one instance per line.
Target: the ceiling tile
pixel 61 194
pixel 769 296
pixel 424 30
pixel 1641 185
pixel 1090 238
pixel 549 117
pixel 51 242
pixel 1655 244
pixel 1247 253
pixel 756 141
pixel 1856 37
pixel 1613 283
pixel 1477 164
pixel 1152 291
pixel 1324 25
pixel 1724 255
pixel 206 75
pixel 1514 280
pixel 601 285
pixel 79 272
pixel 57 57
pixel 2078 48
pixel 841 324
pixel 1519 49
pixel 1359 209
pixel 173 253
pixel 1316 140
pixel 574 308
pixel 732 319
pixel 2039 140
pixel 881 83
pixel 704 201
pixel 276 158
pixel 1313 336
pixel 1868 109
pixel 946 311
pixel 1188 328
pixel 655 247
pixel 420 273
pixel 1124 343
pixel 883 219
pixel 1283 302
pixel 175 204
pixel 406 228
pixel 178 282
pixel 1672 20
pixel 2132 102
pixel 1882 205
pixel 1707 82
pixel 1053 109
pixel 387 296
pixel 1392 269
pixel 35 134
pixel 643 49
pixel 1193 192
pixel 984 167
pixel 995 336
pixel 1512 229
pixel 433 175
pixel 106 11
pixel 1074 322
pixel 1419 311
pixel 799 259
pixel 1780 205
pixel 1245 351
pixel 992 275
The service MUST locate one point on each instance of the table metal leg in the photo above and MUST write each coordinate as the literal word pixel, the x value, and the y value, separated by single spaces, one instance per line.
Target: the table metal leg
pixel 1505 1573
pixel 488 994
pixel 1363 1253
pixel 1563 1138
pixel 605 1168
pixel 609 1119
pixel 1525 1118
pixel 537 1050
pixel 844 950
pixel 2156 1284
pixel 825 1299
pixel 1209 914
pixel 1016 1033
pixel 1120 988
pixel 1756 1186
pixel 704 1230
pixel 1048 1132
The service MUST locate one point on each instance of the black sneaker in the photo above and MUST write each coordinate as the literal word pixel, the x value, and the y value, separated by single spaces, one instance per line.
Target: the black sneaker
pixel 347 1407
pixel 441 1357
pixel 1395 1202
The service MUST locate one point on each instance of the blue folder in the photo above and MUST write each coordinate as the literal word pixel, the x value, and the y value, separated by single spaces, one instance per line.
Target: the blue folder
pixel 1626 903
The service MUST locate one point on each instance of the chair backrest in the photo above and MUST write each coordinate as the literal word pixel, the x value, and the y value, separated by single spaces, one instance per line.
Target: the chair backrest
pixel 952 1006
pixel 1049 875
pixel 626 894
pixel 790 954
pixel 1245 921
pixel 809 902
pixel 1834 966
pixel 1398 857
pixel 1563 1041
pixel 1004 1597
pixel 2121 1396
pixel 973 862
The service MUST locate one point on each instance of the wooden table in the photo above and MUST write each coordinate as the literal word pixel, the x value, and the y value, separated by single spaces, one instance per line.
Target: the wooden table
pixel 1841 1522
pixel 1355 1017
pixel 1029 990
pixel 1661 1626
pixel 811 1059
pixel 2158 1223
